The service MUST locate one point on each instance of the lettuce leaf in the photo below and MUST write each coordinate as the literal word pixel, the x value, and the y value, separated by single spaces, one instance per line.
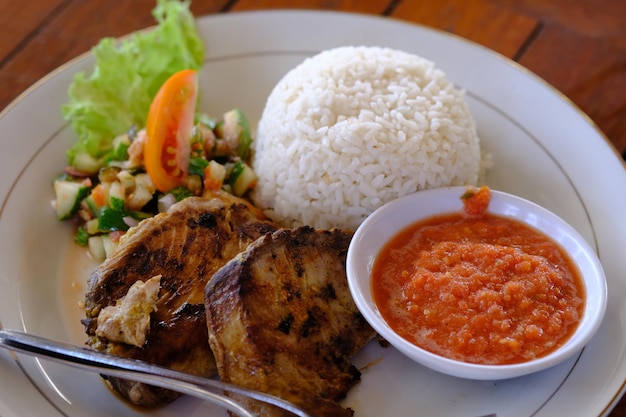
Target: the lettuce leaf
pixel 116 96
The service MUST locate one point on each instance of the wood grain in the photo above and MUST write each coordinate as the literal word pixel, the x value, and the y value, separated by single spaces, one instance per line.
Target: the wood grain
pixel 592 18
pixel 371 6
pixel 580 48
pixel 499 28
pixel 591 72
pixel 68 30
pixel 18 23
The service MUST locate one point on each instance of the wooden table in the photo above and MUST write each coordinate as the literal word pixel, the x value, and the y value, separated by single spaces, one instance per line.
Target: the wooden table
pixel 578 46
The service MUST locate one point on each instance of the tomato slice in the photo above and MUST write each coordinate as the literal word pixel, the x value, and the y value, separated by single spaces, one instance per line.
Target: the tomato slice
pixel 169 126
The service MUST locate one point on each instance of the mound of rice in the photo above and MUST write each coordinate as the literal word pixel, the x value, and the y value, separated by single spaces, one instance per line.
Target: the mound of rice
pixel 355 127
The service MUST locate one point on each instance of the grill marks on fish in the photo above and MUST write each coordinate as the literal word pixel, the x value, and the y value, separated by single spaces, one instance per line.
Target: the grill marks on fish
pixel 186 245
pixel 281 319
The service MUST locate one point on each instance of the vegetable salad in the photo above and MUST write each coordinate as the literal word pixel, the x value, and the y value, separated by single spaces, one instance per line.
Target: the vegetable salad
pixel 122 193
pixel 135 156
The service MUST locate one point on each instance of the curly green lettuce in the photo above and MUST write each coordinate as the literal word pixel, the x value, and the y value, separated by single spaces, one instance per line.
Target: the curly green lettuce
pixel 116 96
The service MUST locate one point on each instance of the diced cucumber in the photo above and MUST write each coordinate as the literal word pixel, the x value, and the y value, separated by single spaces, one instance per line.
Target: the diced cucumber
pixel 242 178
pixel 143 180
pixel 236 125
pixel 142 194
pixel 91 227
pixel 109 245
pixel 214 175
pixel 83 162
pixel 120 148
pixel 194 184
pixel 108 174
pixel 95 209
pixel 96 248
pixel 69 194
pixel 116 196
pixel 234 172
pixel 138 198
pixel 127 180
pixel 101 247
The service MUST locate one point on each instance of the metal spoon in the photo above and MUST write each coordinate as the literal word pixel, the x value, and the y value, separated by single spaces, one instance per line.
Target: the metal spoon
pixel 136 370
pixel 104 363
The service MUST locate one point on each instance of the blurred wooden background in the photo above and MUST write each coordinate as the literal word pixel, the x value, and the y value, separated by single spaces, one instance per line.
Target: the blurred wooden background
pixel 578 46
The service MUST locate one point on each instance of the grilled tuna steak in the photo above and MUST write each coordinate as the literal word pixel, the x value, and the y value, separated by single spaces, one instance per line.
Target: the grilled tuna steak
pixel 281 320
pixel 185 246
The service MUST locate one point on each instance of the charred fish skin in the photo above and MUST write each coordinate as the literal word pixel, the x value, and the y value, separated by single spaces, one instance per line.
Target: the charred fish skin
pixel 186 246
pixel 281 319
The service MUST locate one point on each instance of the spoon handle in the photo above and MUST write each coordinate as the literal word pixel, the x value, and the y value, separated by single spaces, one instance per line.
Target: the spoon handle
pixel 137 370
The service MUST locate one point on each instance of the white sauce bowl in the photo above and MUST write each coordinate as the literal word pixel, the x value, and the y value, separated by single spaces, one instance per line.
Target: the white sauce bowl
pixel 393 217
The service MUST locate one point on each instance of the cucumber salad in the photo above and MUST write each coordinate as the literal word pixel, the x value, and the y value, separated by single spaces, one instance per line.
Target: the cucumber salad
pixel 142 146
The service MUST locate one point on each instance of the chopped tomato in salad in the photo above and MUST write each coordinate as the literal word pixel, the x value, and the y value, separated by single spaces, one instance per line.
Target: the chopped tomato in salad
pixel 179 153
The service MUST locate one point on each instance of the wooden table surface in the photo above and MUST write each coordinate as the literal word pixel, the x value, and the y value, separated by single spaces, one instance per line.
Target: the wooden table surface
pixel 578 46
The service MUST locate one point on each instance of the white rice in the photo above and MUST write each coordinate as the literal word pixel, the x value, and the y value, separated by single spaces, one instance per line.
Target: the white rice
pixel 355 127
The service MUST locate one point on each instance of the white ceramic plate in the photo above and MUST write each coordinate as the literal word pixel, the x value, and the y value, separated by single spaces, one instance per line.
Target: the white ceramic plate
pixel 544 148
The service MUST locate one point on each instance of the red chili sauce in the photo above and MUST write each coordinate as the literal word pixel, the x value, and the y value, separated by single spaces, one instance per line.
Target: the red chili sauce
pixel 477 287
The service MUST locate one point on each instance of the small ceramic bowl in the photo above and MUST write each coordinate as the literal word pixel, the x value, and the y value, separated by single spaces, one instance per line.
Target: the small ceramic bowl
pixel 387 221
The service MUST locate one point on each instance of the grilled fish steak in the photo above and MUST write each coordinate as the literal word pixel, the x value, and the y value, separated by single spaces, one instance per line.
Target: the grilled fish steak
pixel 186 246
pixel 281 320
